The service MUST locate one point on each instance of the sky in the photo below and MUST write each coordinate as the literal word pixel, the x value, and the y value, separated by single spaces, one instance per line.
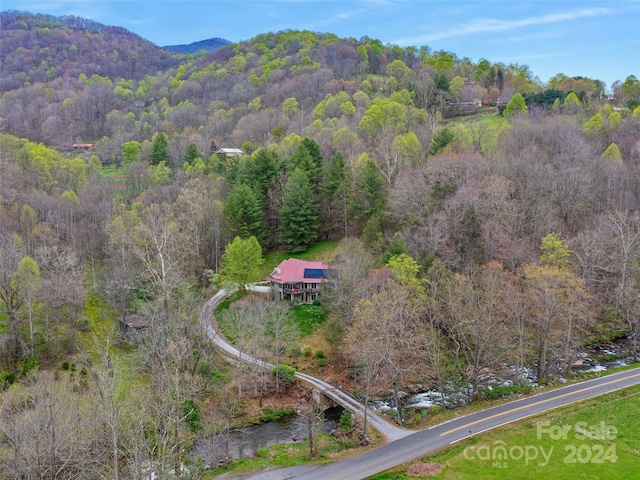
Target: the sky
pixel 591 38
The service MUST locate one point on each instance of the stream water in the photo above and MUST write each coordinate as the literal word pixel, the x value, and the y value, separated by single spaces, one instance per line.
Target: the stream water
pixel 595 358
pixel 245 442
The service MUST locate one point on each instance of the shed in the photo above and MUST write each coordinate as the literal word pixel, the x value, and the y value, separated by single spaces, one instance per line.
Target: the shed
pixel 134 326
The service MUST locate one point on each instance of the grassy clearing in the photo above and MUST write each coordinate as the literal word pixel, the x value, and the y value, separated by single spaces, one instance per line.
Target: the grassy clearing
pixel 605 445
pixel 486 126
pixel 308 318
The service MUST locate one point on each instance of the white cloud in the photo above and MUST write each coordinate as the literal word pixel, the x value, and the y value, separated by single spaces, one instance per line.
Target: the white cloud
pixel 496 25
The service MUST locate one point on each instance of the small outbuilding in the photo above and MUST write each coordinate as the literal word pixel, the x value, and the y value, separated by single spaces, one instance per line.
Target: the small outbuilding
pixel 134 326
pixel 230 152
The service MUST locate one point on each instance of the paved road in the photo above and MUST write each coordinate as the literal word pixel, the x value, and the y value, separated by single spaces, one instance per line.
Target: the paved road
pixel 427 441
pixel 407 445
pixel 341 397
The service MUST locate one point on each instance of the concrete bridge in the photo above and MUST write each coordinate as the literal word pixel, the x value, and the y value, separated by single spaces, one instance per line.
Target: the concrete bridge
pixel 321 388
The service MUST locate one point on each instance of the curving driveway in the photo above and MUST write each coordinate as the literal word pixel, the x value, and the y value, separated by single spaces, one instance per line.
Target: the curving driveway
pixel 347 401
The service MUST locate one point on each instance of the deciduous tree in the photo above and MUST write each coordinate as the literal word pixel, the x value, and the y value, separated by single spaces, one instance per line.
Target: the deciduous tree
pixel 241 262
pixel 515 106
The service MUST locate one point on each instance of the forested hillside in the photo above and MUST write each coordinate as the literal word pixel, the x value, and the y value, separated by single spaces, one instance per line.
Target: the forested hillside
pixel 42 48
pixel 484 222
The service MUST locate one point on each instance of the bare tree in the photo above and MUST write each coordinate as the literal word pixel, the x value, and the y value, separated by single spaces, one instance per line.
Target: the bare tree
pixel 12 293
pixel 390 324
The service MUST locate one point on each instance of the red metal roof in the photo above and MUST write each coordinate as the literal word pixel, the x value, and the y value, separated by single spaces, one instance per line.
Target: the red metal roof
pixel 293 270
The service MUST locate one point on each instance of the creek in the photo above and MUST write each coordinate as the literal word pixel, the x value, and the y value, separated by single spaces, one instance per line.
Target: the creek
pixel 595 358
pixel 245 442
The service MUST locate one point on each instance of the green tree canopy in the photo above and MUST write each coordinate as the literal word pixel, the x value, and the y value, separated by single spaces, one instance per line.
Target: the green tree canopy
pixel 191 154
pixel 554 251
pixel 299 213
pixel 243 214
pixel 405 270
pixel 571 104
pixel 612 153
pixel 240 262
pixel 130 152
pixel 516 105
pixel 594 125
pixel 159 151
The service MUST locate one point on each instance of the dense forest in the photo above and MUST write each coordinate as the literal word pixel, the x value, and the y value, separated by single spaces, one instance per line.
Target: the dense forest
pixel 478 220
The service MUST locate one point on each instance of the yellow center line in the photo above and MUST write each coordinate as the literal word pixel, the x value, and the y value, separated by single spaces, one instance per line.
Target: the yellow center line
pixel 533 404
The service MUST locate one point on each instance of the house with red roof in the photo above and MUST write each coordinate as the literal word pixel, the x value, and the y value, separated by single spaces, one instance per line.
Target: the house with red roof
pixel 298 280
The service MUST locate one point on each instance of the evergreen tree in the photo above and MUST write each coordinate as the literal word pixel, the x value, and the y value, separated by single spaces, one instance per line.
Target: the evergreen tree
pixel 440 140
pixel 397 246
pixel 302 160
pixel 299 213
pixel 243 214
pixel 337 195
pixel 261 169
pixel 159 151
pixel 371 188
pixel 191 154
pixel 334 174
pixel 316 156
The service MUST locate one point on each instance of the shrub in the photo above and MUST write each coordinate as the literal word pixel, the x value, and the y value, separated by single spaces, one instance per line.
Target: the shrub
pixel 7 378
pixel 319 354
pixel 286 373
pixel 345 424
pixel 191 414
pixel 499 391
pixel 28 365
pixel 307 351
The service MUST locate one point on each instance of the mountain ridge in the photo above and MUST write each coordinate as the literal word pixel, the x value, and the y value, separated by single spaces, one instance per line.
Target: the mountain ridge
pixel 208 44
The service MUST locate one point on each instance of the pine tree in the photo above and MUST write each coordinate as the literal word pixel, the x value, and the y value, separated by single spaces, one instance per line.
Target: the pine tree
pixel 159 151
pixel 299 213
pixel 191 154
pixel 243 214
pixel 316 156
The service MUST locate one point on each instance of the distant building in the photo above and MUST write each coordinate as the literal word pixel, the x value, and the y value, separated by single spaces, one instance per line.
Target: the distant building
pixel 82 146
pixel 230 152
pixel 298 280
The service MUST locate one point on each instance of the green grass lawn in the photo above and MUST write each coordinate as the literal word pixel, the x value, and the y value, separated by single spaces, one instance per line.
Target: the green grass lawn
pixel 489 124
pixel 594 439
pixel 308 317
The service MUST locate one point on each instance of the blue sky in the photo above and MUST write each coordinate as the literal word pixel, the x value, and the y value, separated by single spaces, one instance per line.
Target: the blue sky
pixel 596 39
